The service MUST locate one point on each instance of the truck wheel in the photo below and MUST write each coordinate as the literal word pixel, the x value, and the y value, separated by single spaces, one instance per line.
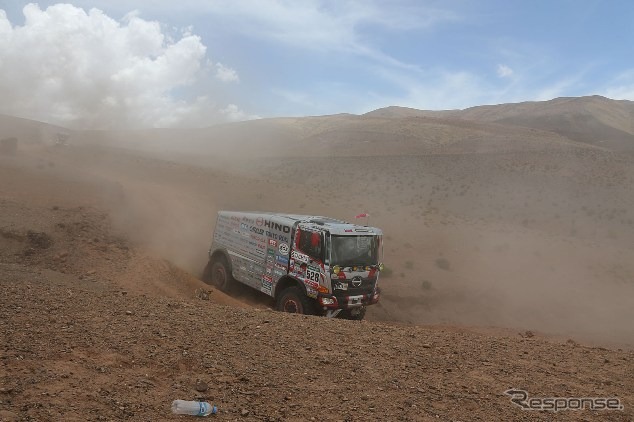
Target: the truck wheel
pixel 355 314
pixel 217 275
pixel 294 301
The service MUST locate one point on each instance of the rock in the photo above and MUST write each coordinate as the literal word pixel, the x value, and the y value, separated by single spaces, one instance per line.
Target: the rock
pixel 201 386
pixel 244 413
pixel 128 312
pixel 426 346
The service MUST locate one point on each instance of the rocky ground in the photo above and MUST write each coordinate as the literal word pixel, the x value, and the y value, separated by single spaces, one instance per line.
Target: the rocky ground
pixel 80 350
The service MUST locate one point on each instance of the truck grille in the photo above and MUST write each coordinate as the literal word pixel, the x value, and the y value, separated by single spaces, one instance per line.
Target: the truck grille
pixel 365 287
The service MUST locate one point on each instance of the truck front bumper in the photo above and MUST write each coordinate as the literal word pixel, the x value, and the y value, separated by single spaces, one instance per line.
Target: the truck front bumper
pixel 327 301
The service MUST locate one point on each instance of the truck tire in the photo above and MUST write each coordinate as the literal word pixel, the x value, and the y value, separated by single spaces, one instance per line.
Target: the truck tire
pixel 356 314
pixel 293 300
pixel 217 274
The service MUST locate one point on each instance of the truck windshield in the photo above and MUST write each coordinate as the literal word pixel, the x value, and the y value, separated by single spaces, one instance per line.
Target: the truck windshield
pixel 348 251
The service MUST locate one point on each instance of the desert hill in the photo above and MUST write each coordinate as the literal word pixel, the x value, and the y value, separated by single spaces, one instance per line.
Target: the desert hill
pixel 508 251
pixel 559 124
pixel 594 120
pixel 29 130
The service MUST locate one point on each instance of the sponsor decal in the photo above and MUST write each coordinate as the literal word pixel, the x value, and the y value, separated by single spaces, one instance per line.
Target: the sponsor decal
pixel 259 221
pixel 276 236
pixel 269 270
pixel 279 272
pixel 300 257
pixel 281 260
pixel 280 267
pixel 341 286
pixel 270 251
pixel 267 284
pixel 257 238
pixel 277 226
pixel 273 243
pixel 312 284
pixel 284 249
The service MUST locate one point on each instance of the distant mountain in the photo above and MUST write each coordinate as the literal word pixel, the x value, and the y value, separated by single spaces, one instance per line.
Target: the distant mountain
pixel 29 131
pixel 594 120
pixel 392 112
pixel 562 123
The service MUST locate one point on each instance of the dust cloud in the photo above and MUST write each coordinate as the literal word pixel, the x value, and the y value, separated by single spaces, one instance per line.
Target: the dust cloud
pixel 527 241
pixel 521 241
pixel 530 240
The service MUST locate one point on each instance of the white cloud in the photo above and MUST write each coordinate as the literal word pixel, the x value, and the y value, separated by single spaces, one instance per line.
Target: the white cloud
pixel 504 71
pixel 226 74
pixel 325 26
pixel 234 114
pixel 84 69
pixel 622 87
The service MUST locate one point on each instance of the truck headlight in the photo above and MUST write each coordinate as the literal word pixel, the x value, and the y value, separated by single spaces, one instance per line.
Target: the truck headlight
pixel 336 269
pixel 327 300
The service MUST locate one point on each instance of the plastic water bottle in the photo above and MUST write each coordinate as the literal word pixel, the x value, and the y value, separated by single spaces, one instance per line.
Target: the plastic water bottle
pixel 194 408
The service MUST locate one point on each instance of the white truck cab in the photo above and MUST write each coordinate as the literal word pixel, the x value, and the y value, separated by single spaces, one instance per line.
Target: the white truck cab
pixel 309 264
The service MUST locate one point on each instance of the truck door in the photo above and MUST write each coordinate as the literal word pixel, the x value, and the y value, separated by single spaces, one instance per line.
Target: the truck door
pixel 307 258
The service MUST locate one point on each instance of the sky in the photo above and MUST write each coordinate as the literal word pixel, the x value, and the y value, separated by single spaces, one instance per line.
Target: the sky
pixel 194 63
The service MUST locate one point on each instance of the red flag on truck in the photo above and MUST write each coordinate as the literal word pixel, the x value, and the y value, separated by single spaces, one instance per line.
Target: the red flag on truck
pixel 364 215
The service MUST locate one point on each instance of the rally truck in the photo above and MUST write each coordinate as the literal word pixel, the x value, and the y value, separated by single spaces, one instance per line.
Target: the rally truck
pixel 309 265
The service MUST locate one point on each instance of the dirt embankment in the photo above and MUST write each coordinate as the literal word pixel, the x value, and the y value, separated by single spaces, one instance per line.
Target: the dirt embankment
pixel 78 350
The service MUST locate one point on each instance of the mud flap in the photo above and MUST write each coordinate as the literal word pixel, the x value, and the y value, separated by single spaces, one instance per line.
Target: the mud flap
pixel 331 313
